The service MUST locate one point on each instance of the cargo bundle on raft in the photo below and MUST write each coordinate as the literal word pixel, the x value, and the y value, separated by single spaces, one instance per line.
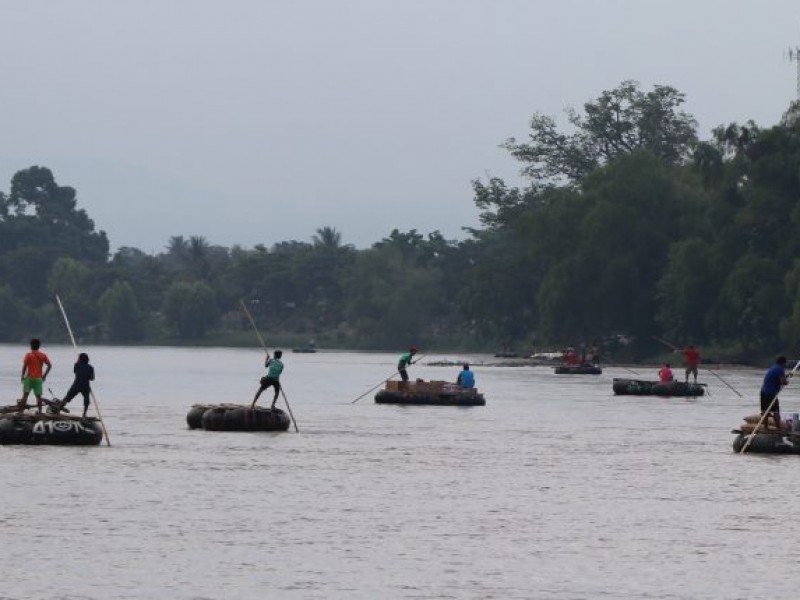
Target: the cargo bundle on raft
pixel 440 393
pixel 578 370
pixel 47 429
pixel 236 417
pixel 638 387
pixel 767 438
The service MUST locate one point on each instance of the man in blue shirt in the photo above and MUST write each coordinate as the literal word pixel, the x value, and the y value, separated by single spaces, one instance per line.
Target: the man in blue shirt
pixel 466 378
pixel 774 380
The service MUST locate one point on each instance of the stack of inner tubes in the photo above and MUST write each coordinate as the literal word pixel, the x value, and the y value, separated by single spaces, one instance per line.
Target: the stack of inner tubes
pixel 236 417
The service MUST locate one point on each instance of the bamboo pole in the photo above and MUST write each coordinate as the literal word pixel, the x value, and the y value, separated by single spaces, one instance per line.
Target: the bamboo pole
pixel 396 371
pixel 91 392
pixel 264 345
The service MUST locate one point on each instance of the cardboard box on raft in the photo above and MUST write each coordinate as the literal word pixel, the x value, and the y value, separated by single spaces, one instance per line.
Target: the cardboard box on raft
pixel 785 417
pixel 425 387
pixel 747 428
pixel 751 421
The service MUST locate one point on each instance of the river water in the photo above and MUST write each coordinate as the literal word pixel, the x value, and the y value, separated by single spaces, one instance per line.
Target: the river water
pixel 555 489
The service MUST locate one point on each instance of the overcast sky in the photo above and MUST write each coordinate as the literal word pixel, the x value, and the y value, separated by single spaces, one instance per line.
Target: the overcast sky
pixel 258 121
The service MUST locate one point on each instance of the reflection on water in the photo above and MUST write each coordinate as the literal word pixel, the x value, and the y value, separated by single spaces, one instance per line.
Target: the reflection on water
pixel 555 489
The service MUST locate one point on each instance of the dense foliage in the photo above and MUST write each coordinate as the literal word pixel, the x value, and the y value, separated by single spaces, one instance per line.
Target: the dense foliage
pixel 629 227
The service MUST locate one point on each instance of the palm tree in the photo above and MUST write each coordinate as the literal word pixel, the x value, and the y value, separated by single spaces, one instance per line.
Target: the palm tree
pixel 327 238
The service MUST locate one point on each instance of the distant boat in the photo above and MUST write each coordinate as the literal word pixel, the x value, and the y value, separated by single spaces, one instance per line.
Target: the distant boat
pixel 578 370
pixel 441 393
pixel 309 348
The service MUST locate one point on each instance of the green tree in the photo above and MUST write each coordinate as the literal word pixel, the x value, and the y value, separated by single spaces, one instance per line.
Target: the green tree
pixel 620 121
pixel 15 321
pixel 752 303
pixel 190 308
pixel 687 290
pixel 40 224
pixel 122 317
pixel 392 303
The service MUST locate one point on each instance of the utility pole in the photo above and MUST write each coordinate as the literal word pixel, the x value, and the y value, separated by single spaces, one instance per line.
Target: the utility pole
pixel 794 56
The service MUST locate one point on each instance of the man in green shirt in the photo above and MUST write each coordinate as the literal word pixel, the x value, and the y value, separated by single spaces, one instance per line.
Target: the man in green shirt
pixel 405 360
pixel 274 369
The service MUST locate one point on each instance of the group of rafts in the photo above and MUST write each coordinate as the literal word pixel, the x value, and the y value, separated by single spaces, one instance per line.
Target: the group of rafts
pixel 55 426
pixel 758 434
pixel 235 417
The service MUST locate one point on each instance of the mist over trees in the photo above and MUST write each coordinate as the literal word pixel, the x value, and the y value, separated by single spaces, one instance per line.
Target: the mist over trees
pixel 628 224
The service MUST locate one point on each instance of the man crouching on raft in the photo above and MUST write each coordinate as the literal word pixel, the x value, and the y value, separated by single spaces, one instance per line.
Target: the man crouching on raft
pixel 274 369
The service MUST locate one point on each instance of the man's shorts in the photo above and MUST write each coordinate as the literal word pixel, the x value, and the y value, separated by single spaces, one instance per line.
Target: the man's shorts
pixel 270 382
pixel 32 384
pixel 766 400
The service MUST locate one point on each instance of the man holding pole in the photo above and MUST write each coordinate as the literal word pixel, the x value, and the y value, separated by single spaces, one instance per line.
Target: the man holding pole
pixel 774 380
pixel 692 358
pixel 405 360
pixel 274 369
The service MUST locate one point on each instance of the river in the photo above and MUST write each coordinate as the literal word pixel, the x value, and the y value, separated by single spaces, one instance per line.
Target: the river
pixel 555 489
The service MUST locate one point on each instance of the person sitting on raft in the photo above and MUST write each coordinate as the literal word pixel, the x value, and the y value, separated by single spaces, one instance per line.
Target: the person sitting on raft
pixel 665 374
pixel 466 378
pixel 570 358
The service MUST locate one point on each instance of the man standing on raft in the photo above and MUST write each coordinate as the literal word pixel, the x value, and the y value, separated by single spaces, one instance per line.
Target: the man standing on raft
pixel 32 376
pixel 84 374
pixel 692 358
pixel 774 380
pixel 404 361
pixel 274 369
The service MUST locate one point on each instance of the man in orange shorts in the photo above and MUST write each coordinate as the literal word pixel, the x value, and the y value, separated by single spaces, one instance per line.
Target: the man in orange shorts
pixel 32 375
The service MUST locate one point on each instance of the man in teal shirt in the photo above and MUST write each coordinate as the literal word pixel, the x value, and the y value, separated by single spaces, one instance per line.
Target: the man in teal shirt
pixel 274 369
pixel 405 360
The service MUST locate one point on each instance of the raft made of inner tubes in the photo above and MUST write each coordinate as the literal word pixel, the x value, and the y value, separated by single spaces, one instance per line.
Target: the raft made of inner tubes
pixel 236 417
pixel 766 437
pixel 637 387
pixel 771 441
pixel 55 430
pixel 578 370
pixel 437 393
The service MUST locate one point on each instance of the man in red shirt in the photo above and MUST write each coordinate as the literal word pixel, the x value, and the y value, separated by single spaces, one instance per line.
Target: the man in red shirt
pixel 692 358
pixel 32 375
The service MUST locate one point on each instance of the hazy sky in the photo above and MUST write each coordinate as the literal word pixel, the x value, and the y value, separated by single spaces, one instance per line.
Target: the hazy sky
pixel 258 121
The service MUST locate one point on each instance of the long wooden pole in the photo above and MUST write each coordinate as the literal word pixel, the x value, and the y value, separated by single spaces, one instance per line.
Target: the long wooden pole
pixel 396 371
pixel 375 386
pixel 735 391
pixel 764 415
pixel 91 392
pixel 264 345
